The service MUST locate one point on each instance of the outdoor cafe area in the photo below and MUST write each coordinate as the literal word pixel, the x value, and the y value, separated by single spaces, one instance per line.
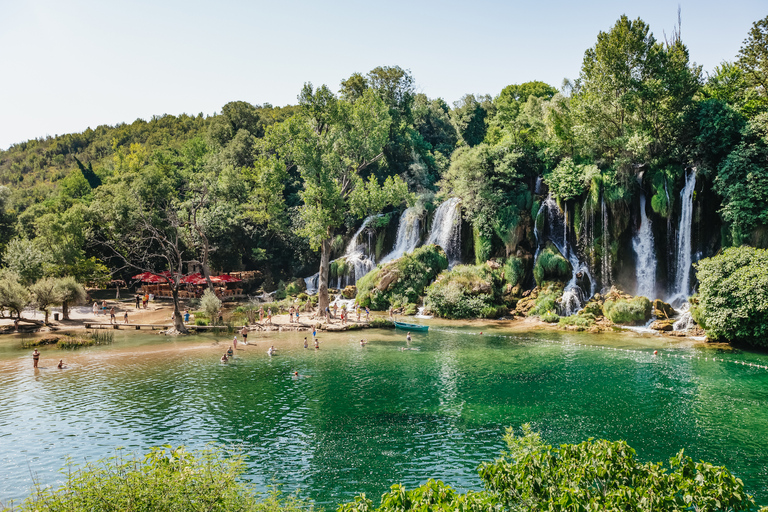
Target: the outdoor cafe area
pixel 192 286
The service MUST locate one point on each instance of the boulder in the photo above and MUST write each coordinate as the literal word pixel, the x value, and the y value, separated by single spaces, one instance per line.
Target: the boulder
pixel 663 310
pixel 665 325
pixel 386 279
pixel 349 292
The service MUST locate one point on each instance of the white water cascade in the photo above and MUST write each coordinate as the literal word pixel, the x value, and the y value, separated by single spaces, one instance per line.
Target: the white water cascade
pixel 407 235
pixel 685 321
pixel 357 255
pixel 606 257
pixel 574 295
pixel 643 245
pixel 683 260
pixel 446 230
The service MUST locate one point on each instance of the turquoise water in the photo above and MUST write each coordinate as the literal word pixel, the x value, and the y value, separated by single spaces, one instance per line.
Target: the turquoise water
pixel 366 417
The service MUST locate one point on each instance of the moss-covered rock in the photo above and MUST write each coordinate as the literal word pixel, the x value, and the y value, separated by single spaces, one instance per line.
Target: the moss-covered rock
pixel 627 311
pixel 664 325
pixel 551 266
pixel 349 292
pixel 402 281
pixel 663 310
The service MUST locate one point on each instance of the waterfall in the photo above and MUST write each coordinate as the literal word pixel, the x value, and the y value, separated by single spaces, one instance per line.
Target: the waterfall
pixel 576 293
pixel 407 235
pixel 357 255
pixel 539 241
pixel 685 321
pixel 642 244
pixel 683 261
pixel 446 230
pixel 606 259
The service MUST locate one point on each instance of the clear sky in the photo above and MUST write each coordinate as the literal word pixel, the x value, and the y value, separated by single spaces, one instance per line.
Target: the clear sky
pixel 71 64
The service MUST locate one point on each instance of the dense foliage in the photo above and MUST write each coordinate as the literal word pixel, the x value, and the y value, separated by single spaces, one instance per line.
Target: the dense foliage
pixel 402 281
pixel 592 475
pixel 280 189
pixel 634 311
pixel 733 295
pixel 166 479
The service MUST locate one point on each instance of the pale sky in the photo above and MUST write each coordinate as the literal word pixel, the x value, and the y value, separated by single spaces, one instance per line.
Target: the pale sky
pixel 71 64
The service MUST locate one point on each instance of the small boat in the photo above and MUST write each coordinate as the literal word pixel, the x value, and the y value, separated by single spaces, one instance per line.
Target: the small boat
pixel 411 327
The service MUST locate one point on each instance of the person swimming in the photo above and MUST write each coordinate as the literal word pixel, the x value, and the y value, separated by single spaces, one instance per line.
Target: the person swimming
pixel 362 343
pixel 271 350
pixel 230 352
pixel 408 337
pixel 61 364
pixel 224 358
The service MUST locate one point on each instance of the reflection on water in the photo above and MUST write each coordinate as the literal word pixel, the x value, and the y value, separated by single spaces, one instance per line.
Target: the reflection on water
pixel 366 417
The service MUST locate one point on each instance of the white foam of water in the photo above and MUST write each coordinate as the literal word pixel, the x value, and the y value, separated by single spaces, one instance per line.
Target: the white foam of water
pixel 446 230
pixel 407 235
pixel 642 244
pixel 683 261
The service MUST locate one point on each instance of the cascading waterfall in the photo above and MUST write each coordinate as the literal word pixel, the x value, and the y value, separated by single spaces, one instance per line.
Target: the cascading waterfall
pixel 575 293
pixel 357 255
pixel 407 235
pixel 446 230
pixel 683 259
pixel 606 259
pixel 642 244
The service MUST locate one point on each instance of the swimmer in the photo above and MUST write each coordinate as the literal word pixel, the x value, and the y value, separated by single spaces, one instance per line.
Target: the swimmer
pixel 244 332
pixel 317 344
pixel 306 345
pixel 61 364
pixel 234 342
pixel 362 343
pixel 314 332
pixel 224 358
pixel 271 350
pixel 408 337
pixel 230 352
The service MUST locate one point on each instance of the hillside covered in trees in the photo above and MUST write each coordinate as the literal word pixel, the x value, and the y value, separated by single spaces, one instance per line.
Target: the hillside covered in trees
pixel 625 176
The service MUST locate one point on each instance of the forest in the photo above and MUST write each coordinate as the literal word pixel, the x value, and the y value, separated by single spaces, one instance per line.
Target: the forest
pixel 635 176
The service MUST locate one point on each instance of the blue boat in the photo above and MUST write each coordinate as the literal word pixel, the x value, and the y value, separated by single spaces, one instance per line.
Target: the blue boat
pixel 411 327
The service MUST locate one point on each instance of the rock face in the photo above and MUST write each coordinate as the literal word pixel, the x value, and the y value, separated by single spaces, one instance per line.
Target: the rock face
pixel 663 310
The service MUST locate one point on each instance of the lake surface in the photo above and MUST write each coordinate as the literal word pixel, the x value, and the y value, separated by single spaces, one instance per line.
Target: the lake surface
pixel 367 417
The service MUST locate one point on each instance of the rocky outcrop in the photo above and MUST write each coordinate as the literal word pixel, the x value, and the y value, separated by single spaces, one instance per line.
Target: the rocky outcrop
pixel 663 310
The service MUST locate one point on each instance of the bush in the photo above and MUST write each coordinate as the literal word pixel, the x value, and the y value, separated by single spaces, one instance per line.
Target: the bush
pixel 582 321
pixel 211 305
pixel 295 287
pixel 166 479
pixel 201 321
pixel 546 300
pixel 551 266
pixel 593 475
pixel 550 317
pixel 402 281
pixel 466 291
pixel 634 311
pixel 733 296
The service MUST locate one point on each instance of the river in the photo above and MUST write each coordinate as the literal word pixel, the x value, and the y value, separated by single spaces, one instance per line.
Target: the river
pixel 363 418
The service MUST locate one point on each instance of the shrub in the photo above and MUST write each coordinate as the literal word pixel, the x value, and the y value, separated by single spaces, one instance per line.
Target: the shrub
pixel 551 266
pixel 166 479
pixel 201 321
pixel 514 271
pixel 634 311
pixel 550 317
pixel 401 281
pixel 211 305
pixel 465 291
pixel 582 320
pixel 295 287
pixel 592 475
pixel 733 294
pixel 546 300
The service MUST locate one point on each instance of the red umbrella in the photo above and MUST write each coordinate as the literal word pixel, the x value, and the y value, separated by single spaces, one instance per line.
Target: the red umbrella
pixel 195 278
pixel 143 276
pixel 225 278
pixel 154 278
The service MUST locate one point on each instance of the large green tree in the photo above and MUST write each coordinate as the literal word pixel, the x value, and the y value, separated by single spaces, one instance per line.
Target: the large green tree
pixel 332 142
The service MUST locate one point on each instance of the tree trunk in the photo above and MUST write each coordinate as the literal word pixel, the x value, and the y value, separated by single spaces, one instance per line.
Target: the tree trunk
pixel 64 310
pixel 178 320
pixel 322 288
pixel 46 315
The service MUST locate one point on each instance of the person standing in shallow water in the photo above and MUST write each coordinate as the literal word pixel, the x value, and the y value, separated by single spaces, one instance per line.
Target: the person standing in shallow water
pixel 35 358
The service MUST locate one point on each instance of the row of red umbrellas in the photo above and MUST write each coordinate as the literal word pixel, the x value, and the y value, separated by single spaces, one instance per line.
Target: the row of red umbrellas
pixel 196 278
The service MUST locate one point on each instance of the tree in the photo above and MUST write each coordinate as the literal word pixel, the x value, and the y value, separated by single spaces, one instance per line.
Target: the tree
pixel 13 295
pixel 733 293
pixel 25 259
pixel 211 305
pixel 45 293
pixel 71 293
pixel 469 116
pixel 753 56
pixel 331 142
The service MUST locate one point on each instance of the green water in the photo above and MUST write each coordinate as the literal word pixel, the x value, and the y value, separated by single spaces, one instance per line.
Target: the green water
pixel 367 417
